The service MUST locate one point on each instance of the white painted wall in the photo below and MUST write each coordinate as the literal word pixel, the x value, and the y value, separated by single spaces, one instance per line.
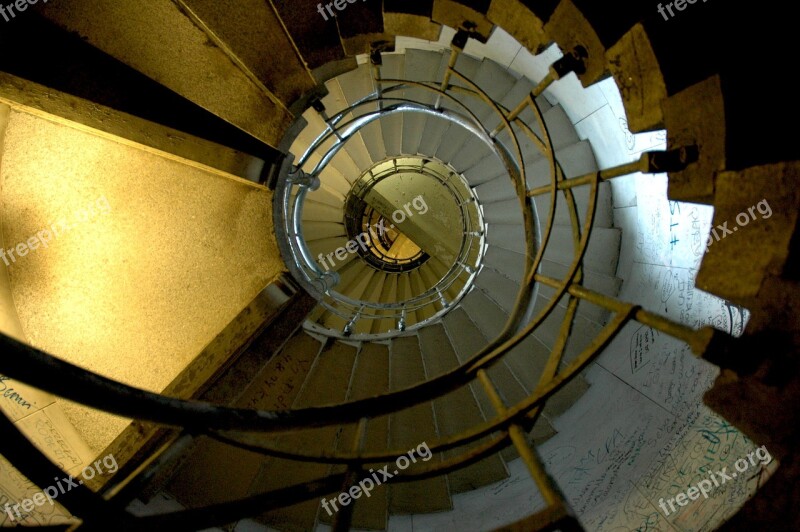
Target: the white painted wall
pixel 641 433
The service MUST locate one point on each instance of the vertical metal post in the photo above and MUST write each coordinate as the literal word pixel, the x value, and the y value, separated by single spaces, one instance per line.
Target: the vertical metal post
pixel 447 74
pixel 552 496
pixel 344 517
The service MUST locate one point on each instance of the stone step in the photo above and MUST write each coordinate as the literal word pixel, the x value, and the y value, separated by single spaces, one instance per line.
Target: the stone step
pixel 327 383
pixel 411 427
pixel 370 378
pixel 457 412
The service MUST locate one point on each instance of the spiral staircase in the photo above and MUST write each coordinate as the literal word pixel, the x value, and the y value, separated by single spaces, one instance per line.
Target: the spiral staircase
pixel 466 325
pixel 380 331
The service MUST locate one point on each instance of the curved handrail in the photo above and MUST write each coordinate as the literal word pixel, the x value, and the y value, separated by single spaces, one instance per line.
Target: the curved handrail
pixel 473 242
pixel 39 369
pixel 311 272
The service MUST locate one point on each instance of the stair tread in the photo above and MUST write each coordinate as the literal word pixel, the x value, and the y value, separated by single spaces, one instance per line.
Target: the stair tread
pixel 526 362
pixel 455 136
pixel 494 79
pixel 226 472
pixel 326 383
pixel 471 153
pixel 407 369
pixel 420 65
pixel 341 161
pixel 514 94
pixel 602 253
pixel 508 237
pixel 562 131
pixel 370 378
pixel 456 412
pixel 604 216
pixel 499 189
pixel 315 211
pixel 327 248
pixel 439 269
pixel 435 128
pixel 327 196
pixel 576 159
pixel 506 211
pixel 388 293
pixel 313 230
pixel 356 85
pixel 508 263
pixel 502 289
pixel 467 339
pixel 392 126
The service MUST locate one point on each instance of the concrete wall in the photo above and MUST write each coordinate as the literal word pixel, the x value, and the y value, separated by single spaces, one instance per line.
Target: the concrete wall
pixel 121 259
pixel 37 414
pixel 641 433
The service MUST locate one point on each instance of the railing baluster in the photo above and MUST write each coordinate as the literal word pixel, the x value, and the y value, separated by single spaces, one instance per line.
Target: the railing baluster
pixel 696 339
pixel 553 498
pixel 648 163
pixel 328 122
pixel 122 492
pixel 447 74
pixel 344 517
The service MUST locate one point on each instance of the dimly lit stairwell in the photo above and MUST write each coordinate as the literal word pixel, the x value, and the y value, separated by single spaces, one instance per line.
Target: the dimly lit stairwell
pixel 499 281
pixel 347 368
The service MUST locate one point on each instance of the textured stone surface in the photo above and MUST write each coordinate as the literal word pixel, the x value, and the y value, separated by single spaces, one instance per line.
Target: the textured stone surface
pixel 170 254
pixel 411 25
pixel 635 67
pixel 519 21
pixel 122 127
pixel 460 16
pixel 316 38
pixel 696 117
pixel 570 29
pixel 758 244
pixel 255 35
pixel 168 46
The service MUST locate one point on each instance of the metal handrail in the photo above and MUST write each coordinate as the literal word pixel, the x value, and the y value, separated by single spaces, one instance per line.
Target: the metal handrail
pixel 341 305
pixel 320 283
pixel 474 239
pixel 39 369
pixel 473 242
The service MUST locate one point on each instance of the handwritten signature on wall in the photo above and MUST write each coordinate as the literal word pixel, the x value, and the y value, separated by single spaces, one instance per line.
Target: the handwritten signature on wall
pixel 11 394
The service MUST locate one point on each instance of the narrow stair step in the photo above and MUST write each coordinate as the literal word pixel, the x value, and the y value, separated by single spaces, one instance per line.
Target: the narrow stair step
pixel 370 378
pixel 457 412
pixel 410 428
pixel 327 383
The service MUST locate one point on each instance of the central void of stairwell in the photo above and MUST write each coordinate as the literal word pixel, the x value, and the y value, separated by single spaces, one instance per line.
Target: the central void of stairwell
pixel 405 211
pixel 406 243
